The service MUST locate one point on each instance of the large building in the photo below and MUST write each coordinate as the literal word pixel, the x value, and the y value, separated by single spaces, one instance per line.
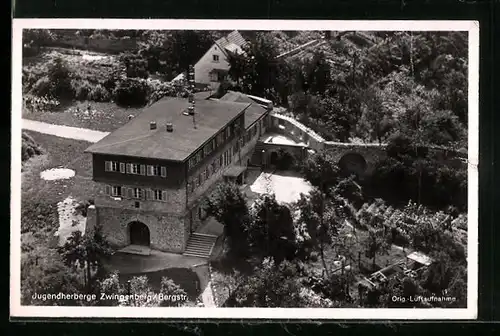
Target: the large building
pixel 213 66
pixel 155 171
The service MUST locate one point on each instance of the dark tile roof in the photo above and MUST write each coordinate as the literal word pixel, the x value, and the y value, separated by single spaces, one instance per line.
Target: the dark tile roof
pixel 232 38
pixel 252 113
pixel 136 139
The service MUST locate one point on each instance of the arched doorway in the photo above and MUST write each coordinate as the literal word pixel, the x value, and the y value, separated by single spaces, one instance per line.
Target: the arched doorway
pixel 353 163
pixel 139 234
pixel 274 158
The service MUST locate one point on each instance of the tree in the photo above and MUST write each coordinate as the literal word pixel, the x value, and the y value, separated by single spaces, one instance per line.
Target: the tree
pixel 271 286
pixel 131 92
pixel 135 65
pixel 321 170
pixel 319 219
pixel 173 294
pixel 376 243
pixel 185 47
pixel 36 39
pixel 376 119
pixel 257 69
pixel 86 251
pixel 43 273
pixel 229 207
pixel 140 294
pixel 271 231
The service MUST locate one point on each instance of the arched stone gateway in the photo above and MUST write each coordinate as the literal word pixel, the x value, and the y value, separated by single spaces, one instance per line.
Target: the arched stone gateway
pixel 274 158
pixel 139 234
pixel 353 163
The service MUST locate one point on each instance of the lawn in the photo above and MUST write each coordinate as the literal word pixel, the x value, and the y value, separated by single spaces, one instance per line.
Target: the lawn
pixel 104 117
pixel 60 152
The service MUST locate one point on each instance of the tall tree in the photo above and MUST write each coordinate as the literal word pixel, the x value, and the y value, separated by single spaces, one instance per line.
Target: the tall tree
pixel 376 119
pixel 86 251
pixel 321 170
pixel 376 243
pixel 271 231
pixel 316 212
pixel 229 207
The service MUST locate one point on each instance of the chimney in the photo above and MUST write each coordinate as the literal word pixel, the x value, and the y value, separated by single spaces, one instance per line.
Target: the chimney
pixel 152 125
pixel 170 127
pixel 191 106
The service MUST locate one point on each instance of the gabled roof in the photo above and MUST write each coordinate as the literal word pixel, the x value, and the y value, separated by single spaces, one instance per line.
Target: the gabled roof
pixel 232 42
pixel 252 113
pixel 136 139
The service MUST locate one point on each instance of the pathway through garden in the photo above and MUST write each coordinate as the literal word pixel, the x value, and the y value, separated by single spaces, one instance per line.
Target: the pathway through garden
pixel 67 132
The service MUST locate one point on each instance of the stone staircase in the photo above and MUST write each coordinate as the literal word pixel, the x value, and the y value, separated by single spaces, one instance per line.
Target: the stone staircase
pixel 200 245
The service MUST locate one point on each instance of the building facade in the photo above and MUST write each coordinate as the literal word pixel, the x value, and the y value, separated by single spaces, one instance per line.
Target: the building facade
pixel 213 66
pixel 155 171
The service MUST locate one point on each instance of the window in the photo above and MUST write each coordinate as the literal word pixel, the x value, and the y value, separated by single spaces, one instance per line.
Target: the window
pixel 137 193
pixel 122 167
pixel 215 58
pixel 116 191
pixel 133 168
pixel 156 171
pixel 112 166
pixel 213 77
pixel 137 204
pixel 158 195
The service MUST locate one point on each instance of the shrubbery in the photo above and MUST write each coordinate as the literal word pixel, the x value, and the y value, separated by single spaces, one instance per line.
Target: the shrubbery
pixel 29 148
pixel 38 215
pixel 131 92
pixel 414 174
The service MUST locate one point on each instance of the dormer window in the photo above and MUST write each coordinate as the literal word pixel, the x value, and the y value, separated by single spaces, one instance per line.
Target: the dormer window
pixel 215 58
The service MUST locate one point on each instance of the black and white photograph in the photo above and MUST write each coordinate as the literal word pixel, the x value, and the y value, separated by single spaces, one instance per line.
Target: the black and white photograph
pixel 196 168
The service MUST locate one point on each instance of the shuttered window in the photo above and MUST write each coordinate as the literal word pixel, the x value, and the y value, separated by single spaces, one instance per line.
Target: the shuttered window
pixel 107 165
pixel 122 167
pixel 150 170
pixel 163 171
pixel 143 169
pixel 128 168
pixel 116 191
pixel 107 190
pixel 137 193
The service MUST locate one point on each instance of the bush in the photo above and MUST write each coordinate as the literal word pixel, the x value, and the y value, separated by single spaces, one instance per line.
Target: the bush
pixel 81 89
pixel 29 148
pixel 99 94
pixel 131 92
pixel 36 215
pixel 43 87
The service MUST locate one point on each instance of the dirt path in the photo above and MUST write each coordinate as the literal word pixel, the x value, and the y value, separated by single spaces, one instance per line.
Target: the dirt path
pixel 63 131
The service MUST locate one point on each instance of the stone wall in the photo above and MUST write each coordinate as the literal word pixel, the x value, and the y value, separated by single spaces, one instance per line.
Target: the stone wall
pixel 167 231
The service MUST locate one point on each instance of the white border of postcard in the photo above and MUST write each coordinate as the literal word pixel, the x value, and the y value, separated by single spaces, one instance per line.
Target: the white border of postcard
pixel 248 313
